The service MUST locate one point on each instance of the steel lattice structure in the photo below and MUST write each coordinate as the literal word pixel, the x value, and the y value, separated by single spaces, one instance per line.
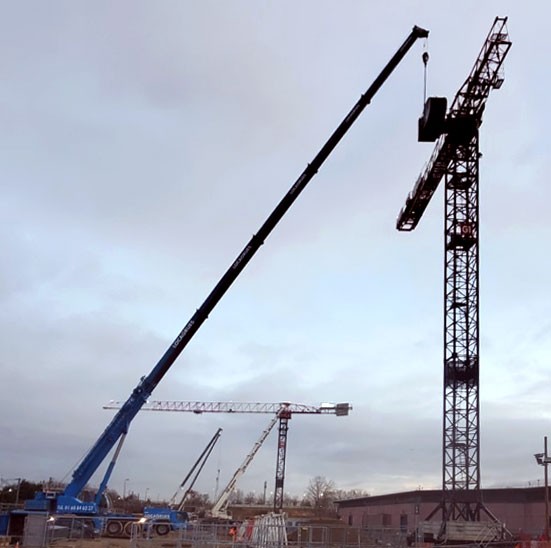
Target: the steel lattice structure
pixel 199 407
pixel 456 160
pixel 282 410
pixel 461 447
pixel 284 416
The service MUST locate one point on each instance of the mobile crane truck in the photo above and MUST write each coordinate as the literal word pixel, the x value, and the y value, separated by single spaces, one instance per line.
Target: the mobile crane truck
pixel 68 501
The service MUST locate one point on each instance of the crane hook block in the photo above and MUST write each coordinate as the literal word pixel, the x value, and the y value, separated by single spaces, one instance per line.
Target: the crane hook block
pixel 432 123
pixel 425 57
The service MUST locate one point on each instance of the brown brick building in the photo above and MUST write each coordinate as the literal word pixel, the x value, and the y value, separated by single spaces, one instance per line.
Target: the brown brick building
pixel 520 510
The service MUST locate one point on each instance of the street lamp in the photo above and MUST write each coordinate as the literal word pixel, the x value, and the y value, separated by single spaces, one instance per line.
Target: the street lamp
pixel 543 460
pixel 18 489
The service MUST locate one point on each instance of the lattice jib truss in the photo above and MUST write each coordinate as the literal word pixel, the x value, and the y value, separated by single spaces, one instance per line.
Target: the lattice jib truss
pixel 199 407
pixel 487 74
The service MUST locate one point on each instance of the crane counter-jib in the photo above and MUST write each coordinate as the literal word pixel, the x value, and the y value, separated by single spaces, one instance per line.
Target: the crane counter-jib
pixel 121 421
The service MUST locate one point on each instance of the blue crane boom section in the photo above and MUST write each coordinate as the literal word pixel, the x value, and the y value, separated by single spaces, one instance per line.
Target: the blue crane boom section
pixel 121 421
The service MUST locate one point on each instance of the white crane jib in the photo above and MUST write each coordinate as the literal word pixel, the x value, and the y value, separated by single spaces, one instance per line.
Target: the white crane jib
pixel 219 509
pixel 198 407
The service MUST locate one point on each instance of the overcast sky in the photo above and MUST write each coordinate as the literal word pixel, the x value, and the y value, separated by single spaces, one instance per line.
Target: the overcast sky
pixel 143 143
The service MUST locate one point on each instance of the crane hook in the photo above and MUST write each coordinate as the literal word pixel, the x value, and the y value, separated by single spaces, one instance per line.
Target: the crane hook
pixel 425 58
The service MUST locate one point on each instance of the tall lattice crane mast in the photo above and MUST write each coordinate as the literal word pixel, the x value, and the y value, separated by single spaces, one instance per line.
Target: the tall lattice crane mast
pixel 455 159
pixel 283 412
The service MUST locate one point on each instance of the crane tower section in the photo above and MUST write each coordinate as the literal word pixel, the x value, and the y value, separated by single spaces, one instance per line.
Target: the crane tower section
pixel 456 160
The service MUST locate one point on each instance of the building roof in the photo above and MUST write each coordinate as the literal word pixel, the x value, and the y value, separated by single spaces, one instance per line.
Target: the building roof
pixel 507 494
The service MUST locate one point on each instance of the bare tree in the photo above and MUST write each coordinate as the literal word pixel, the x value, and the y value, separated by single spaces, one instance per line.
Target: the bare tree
pixel 320 493
pixel 237 497
pixel 290 500
pixel 341 494
pixel 197 500
pixel 250 498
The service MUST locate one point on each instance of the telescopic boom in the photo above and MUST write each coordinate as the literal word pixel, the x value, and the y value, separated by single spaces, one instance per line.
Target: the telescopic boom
pixel 121 421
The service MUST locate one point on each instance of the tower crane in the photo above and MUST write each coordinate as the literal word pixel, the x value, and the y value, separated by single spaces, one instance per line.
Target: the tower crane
pixel 455 159
pixel 283 412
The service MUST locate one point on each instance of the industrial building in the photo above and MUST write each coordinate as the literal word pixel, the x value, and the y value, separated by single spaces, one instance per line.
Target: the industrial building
pixel 520 510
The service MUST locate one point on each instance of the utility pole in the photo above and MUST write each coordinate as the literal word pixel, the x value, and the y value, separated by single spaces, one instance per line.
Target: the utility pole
pixel 543 460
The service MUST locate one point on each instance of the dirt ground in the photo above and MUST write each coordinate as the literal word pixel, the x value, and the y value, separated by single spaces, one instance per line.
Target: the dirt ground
pixel 160 542
pixel 92 543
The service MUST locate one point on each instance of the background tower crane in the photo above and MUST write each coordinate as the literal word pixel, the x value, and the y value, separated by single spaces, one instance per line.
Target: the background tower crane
pixel 283 412
pixel 455 159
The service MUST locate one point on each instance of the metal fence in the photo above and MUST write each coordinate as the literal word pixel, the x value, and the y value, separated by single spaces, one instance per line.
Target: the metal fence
pixel 265 532
pixel 42 530
pixel 273 535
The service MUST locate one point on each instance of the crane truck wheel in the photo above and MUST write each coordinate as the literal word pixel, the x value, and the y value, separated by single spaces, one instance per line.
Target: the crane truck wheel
pixel 114 528
pixel 128 529
pixel 162 529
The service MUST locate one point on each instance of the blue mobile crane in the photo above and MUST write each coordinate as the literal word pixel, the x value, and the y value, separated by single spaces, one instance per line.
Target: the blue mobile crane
pixel 68 501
